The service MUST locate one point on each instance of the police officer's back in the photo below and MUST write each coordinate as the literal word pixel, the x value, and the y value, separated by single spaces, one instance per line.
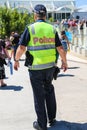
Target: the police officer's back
pixel 41 40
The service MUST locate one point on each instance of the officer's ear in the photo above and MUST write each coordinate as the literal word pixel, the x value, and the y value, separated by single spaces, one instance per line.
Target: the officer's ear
pixel 35 16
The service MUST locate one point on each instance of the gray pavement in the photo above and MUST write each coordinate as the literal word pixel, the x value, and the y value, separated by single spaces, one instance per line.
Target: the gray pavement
pixel 16 99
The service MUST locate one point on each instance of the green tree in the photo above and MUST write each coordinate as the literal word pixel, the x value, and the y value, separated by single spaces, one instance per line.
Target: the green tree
pixel 13 20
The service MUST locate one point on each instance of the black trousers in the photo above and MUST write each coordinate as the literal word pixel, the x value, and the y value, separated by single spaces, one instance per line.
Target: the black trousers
pixel 2 72
pixel 44 95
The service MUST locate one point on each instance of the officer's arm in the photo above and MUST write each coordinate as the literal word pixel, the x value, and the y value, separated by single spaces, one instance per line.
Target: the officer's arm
pixel 62 53
pixel 21 49
pixel 60 48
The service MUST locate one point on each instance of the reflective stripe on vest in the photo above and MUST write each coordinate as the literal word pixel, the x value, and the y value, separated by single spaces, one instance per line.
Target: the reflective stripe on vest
pixel 38 67
pixel 32 29
pixel 42 47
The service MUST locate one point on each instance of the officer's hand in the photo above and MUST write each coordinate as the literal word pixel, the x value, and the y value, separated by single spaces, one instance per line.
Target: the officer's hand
pixel 64 66
pixel 16 65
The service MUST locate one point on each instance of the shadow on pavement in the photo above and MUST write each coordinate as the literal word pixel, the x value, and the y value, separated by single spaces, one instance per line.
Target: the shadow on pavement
pixel 64 75
pixel 64 125
pixel 11 87
pixel 70 75
pixel 73 67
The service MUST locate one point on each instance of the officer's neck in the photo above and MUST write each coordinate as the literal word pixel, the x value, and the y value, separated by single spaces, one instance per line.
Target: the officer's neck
pixel 40 18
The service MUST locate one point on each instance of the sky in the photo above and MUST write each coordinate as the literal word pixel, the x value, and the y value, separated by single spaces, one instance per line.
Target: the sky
pixel 81 2
pixel 78 2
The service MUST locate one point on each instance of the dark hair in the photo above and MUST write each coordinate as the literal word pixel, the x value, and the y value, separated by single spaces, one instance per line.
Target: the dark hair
pixel 41 16
pixel 63 33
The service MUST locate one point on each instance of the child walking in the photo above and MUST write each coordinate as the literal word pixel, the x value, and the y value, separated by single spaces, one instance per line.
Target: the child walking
pixel 65 43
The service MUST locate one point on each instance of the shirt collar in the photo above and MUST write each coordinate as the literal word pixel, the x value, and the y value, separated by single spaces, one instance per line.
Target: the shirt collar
pixel 40 20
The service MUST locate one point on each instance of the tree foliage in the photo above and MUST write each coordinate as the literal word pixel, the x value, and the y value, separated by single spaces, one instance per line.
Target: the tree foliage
pixel 13 20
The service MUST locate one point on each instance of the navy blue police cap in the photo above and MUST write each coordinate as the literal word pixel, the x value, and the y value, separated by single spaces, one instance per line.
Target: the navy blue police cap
pixel 40 9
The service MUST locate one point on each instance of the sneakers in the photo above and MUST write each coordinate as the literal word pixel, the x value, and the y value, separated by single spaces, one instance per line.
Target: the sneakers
pixel 52 122
pixel 36 126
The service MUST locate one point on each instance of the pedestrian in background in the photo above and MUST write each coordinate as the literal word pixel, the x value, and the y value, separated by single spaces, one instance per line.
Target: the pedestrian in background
pixel 65 43
pixel 3 55
pixel 41 40
pixel 14 38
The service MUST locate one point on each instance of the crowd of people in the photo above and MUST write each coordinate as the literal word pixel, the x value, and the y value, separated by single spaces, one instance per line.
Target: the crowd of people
pixel 6 45
pixel 72 25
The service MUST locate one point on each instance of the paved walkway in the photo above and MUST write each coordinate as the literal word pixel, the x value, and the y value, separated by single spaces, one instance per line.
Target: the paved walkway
pixel 16 100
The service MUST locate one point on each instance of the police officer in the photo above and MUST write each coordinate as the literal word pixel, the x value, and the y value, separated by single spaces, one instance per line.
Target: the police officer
pixel 41 41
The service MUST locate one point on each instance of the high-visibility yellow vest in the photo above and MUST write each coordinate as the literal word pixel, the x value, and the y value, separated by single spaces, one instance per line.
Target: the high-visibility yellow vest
pixel 42 45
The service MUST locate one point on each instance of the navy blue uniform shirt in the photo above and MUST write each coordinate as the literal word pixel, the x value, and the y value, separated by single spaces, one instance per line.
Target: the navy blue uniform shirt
pixel 25 37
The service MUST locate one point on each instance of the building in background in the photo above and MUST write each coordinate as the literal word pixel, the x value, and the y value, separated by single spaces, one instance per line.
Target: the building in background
pixel 57 9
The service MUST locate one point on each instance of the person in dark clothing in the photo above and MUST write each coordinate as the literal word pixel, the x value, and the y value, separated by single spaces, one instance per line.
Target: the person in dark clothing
pixel 41 41
pixel 15 40
pixel 3 54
